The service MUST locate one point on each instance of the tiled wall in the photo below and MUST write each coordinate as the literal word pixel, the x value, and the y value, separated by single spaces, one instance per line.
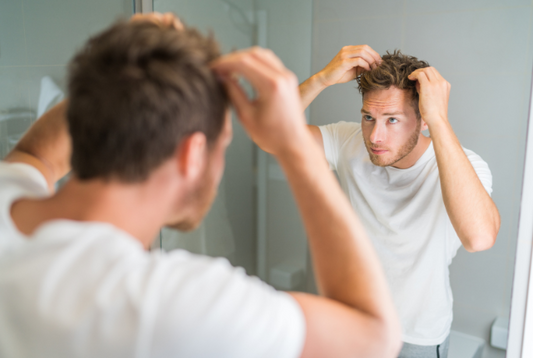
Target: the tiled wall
pixel 37 38
pixel 483 48
pixel 229 228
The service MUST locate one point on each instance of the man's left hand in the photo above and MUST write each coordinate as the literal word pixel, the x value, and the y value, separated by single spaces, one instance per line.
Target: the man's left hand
pixel 434 93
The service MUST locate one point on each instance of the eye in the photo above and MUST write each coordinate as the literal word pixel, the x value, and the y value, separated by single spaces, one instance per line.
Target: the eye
pixel 367 117
pixel 393 120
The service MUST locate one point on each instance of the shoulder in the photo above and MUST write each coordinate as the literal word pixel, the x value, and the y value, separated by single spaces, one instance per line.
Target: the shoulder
pixel 341 127
pixel 219 302
pixel 341 132
pixel 22 175
pixel 476 160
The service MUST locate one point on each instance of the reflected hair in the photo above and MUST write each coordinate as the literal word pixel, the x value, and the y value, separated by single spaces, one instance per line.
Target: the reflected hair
pixel 136 90
pixel 393 72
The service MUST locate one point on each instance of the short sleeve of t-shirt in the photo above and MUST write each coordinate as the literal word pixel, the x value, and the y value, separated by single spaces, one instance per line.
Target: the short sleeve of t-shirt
pixel 17 180
pixel 334 137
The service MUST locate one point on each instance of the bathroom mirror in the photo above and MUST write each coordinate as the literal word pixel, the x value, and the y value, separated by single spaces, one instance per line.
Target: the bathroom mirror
pixel 483 48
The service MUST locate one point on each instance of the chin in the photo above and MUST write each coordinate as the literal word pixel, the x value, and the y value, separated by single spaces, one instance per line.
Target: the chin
pixel 186 225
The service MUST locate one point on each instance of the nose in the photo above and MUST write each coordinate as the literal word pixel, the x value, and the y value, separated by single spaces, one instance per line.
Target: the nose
pixel 378 133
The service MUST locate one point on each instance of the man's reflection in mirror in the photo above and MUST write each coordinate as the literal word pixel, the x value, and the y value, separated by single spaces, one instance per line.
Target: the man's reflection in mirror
pixel 420 197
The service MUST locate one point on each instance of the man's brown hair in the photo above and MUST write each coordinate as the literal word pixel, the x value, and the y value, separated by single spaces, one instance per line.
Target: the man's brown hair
pixel 393 72
pixel 135 91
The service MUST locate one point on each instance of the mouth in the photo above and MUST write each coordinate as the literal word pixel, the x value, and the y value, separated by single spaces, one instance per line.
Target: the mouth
pixel 378 151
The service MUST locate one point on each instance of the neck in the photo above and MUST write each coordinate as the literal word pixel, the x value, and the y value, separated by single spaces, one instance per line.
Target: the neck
pixel 411 159
pixel 138 209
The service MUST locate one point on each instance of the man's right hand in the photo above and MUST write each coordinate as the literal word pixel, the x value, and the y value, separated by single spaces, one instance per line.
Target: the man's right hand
pixel 274 119
pixel 349 63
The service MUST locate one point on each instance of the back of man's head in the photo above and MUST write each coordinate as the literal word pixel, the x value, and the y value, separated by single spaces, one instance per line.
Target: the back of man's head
pixel 393 72
pixel 135 91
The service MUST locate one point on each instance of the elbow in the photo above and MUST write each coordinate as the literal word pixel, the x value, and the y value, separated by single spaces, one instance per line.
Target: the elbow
pixel 483 239
pixel 389 338
pixel 480 242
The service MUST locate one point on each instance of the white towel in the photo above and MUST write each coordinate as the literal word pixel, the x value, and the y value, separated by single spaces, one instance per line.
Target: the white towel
pixel 50 95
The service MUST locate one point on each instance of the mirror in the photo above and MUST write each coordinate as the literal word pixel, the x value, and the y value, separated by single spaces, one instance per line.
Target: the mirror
pixel 487 110
pixel 482 48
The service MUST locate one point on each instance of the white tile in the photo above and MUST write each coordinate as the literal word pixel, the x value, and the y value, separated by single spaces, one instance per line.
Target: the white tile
pixel 424 6
pixel 285 233
pixel 13 88
pixel 12 40
pixel 55 29
pixel 343 9
pixel 488 41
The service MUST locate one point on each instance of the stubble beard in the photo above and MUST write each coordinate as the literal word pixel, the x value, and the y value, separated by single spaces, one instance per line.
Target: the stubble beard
pixel 402 153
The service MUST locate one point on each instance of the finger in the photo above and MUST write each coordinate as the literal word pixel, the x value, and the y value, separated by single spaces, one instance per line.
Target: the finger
pixel 260 75
pixel 171 20
pixel 421 77
pixel 366 56
pixel 436 75
pixel 237 96
pixel 269 58
pixel 374 54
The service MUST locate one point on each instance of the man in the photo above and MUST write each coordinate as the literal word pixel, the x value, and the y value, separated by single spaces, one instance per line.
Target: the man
pixel 419 197
pixel 148 126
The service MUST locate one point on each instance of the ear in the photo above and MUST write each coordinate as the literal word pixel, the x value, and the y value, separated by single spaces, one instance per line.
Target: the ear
pixel 192 155
pixel 423 126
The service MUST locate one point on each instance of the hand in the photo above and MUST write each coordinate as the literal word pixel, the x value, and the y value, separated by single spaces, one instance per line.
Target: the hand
pixel 349 63
pixel 434 93
pixel 167 19
pixel 274 119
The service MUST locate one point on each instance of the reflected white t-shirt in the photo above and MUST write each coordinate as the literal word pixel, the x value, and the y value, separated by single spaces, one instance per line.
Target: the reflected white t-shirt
pixel 88 289
pixel 404 215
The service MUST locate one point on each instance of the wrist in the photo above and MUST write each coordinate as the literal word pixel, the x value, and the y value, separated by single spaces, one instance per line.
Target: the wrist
pixel 318 81
pixel 436 120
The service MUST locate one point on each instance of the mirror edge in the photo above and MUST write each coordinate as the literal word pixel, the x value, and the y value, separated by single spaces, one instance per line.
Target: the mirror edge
pixel 521 317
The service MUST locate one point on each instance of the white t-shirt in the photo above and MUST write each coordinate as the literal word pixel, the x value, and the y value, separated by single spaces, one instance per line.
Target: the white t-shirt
pixel 88 289
pixel 404 215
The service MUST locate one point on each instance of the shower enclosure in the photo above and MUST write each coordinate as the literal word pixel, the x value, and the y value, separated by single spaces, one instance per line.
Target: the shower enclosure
pixel 253 222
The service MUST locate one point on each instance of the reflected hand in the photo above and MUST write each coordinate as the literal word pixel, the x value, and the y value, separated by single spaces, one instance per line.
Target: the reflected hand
pixel 349 63
pixel 274 119
pixel 434 93
pixel 167 19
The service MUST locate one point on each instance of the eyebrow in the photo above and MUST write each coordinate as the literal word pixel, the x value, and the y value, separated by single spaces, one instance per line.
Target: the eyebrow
pixel 385 114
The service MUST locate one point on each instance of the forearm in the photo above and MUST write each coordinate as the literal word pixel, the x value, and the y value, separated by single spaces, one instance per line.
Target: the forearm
pixel 46 145
pixel 310 89
pixel 346 266
pixel 472 212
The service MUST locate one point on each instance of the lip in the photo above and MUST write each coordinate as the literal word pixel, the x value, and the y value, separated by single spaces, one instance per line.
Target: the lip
pixel 378 151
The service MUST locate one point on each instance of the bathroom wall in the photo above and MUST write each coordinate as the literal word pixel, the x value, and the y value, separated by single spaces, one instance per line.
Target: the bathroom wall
pixel 288 34
pixel 483 48
pixel 37 39
pixel 229 229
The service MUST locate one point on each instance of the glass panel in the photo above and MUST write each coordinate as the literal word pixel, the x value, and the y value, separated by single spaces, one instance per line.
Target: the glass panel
pixel 229 229
pixel 37 39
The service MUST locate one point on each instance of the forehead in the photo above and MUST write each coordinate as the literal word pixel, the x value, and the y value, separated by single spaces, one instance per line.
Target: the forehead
pixel 385 100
